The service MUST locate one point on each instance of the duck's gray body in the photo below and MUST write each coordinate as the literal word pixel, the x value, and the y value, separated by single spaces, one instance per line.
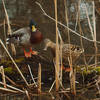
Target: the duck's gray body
pixel 21 37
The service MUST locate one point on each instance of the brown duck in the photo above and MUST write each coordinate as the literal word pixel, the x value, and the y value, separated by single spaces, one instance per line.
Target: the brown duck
pixel 67 49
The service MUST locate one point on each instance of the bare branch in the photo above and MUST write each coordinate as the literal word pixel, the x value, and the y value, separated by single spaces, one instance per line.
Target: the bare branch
pixel 65 25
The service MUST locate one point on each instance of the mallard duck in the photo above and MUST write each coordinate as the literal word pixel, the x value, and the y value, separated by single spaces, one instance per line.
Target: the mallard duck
pixel 26 37
pixel 67 49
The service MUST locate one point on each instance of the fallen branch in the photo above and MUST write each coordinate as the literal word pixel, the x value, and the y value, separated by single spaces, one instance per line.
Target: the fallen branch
pixel 19 90
pixel 32 75
pixel 8 90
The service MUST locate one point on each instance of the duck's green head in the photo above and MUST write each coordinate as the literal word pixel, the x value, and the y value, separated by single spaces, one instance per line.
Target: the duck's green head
pixel 32 25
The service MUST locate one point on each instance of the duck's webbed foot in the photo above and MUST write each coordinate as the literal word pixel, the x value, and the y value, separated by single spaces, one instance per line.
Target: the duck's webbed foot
pixel 66 69
pixel 33 52
pixel 27 54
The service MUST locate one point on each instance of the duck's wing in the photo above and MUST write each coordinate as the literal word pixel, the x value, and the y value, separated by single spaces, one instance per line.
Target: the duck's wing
pixel 19 32
pixel 16 36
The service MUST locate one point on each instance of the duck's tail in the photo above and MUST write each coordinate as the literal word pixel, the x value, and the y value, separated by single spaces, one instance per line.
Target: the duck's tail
pixel 12 39
pixel 7 40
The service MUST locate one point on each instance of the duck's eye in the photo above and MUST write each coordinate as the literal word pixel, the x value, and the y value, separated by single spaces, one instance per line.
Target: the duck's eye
pixel 78 48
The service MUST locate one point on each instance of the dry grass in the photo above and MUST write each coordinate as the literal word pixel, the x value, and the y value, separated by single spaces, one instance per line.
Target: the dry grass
pixel 3 75
pixel 94 36
pixel 65 26
pixel 9 28
pixel 57 49
pixel 39 78
pixel 13 61
pixel 70 30
pixel 12 87
pixel 32 76
pixel 72 74
pixel 81 32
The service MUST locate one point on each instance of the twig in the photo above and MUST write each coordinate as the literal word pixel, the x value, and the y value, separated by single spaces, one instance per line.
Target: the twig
pixel 59 78
pixel 53 98
pixel 60 54
pixel 7 90
pixel 94 26
pixel 72 79
pixel 91 58
pixel 65 25
pixel 12 24
pixel 59 35
pixel 11 81
pixel 97 84
pixel 9 27
pixel 19 90
pixel 4 25
pixel 27 95
pixel 90 26
pixel 76 21
pixel 7 18
pixel 3 76
pixel 81 32
pixel 92 65
pixel 52 86
pixel 39 78
pixel 32 75
pixel 57 49
pixel 13 62
pixel 71 74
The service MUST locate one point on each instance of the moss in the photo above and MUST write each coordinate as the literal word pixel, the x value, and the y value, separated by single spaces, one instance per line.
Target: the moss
pixel 98 69
pixel 85 72
pixel 7 62
pixel 82 69
pixel 19 60
pixel 8 70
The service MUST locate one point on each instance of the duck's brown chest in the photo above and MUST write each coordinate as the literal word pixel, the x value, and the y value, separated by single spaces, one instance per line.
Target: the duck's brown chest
pixel 36 37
